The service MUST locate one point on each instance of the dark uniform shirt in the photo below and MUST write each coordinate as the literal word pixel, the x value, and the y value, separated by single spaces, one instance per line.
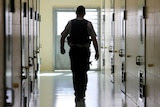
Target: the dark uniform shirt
pixel 90 29
pixel 79 33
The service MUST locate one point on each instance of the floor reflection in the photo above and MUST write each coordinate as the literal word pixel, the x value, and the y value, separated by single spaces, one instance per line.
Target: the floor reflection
pixel 56 90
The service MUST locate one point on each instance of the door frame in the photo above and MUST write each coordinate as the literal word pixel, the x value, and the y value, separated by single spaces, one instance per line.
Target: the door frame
pixel 55 10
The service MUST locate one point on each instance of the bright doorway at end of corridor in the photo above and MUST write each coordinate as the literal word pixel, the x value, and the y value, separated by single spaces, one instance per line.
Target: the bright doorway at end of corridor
pixel 62 16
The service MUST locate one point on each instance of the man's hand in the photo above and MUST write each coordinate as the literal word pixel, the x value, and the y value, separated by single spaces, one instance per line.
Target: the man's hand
pixel 63 51
pixel 97 56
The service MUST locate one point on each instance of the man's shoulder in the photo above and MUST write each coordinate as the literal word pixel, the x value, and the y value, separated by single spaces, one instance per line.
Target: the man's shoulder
pixel 69 22
pixel 89 24
pixel 72 20
pixel 87 21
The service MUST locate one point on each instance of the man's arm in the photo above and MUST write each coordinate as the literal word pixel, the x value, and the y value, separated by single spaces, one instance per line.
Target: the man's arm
pixel 64 35
pixel 93 37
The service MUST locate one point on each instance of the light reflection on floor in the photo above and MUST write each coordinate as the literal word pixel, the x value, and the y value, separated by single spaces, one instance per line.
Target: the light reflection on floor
pixel 56 90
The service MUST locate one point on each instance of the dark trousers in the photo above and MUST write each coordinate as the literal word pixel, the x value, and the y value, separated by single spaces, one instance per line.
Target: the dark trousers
pixel 79 65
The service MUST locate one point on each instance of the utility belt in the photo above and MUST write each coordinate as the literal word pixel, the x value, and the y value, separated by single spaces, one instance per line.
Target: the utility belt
pixel 87 45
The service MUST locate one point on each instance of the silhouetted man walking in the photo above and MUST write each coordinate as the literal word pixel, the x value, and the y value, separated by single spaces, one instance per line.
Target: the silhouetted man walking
pixel 79 33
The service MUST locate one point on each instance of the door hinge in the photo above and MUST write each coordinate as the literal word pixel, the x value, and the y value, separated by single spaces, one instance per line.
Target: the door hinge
pixel 24 9
pixel 144 12
pixel 104 18
pixel 31 14
pixel 125 15
pixel 103 62
pixel 113 17
pixel 12 6
pixel 35 15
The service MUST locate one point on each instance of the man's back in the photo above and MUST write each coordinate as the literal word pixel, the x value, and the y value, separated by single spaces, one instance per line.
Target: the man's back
pixel 79 30
pixel 79 33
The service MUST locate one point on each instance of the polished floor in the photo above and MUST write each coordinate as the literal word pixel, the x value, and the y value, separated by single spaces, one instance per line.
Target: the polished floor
pixel 56 90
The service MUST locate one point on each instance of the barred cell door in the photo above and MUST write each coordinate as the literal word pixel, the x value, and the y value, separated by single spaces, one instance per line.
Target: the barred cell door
pixel 141 57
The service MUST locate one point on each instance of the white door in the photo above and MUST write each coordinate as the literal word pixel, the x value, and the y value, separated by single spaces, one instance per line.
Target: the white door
pixel 141 57
pixel 9 10
pixel 122 52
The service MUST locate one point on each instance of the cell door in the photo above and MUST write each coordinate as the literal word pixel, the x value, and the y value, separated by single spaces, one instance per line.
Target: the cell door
pixel 37 51
pixel 38 38
pixel 112 42
pixel 35 44
pixel 35 38
pixel 9 93
pixel 103 37
pixel 24 52
pixel 141 57
pixel 122 51
pixel 30 46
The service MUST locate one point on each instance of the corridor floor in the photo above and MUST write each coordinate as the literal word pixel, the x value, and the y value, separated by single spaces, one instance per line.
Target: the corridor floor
pixel 56 90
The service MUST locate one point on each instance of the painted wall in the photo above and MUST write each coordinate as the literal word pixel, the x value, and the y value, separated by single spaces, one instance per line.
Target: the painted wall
pixel 46 29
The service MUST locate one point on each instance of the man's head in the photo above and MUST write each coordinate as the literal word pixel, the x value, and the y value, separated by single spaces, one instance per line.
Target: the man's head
pixel 80 11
